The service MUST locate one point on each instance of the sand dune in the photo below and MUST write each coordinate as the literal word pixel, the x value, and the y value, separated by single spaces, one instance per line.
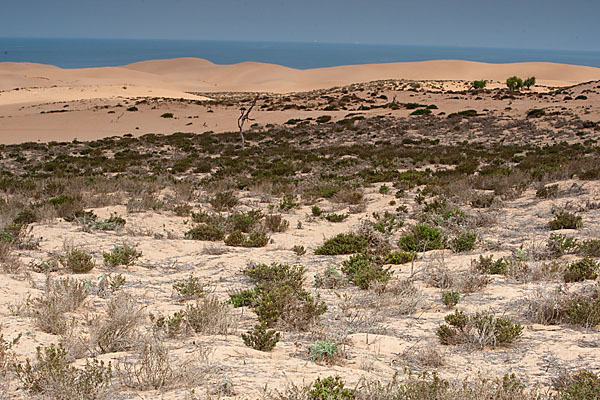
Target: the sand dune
pixel 191 74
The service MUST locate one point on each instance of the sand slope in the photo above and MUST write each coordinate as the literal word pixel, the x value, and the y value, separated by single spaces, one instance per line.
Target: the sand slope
pixel 192 74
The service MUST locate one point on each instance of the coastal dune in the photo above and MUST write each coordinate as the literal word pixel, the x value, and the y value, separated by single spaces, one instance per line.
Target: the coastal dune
pixel 193 74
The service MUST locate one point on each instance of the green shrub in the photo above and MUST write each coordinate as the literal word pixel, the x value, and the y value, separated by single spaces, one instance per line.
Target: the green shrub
pixel 209 232
pixel 584 385
pixel 261 338
pixel 421 111
pixel 450 298
pixel 583 310
pixel 536 113
pixel 580 270
pixel 288 202
pixel 78 261
pixel 481 329
pixel 238 239
pixel 400 257
pixel 299 250
pixel 113 223
pixel 362 270
pixel 51 376
pixel 224 201
pixel 189 288
pixel 464 242
pixel 514 83
pixel 323 119
pixel 479 84
pixel 422 238
pixel 243 298
pixel 167 115
pixel 330 388
pixel 324 350
pixel 589 248
pixel 316 211
pixel 565 220
pixel 343 243
pixel 487 265
pixel 336 217
pixel 121 255
pixel 547 192
pixel 561 244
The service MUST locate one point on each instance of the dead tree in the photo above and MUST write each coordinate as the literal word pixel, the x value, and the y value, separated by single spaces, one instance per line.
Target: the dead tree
pixel 245 116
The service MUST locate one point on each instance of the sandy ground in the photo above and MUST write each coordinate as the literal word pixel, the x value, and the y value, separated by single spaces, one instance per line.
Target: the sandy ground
pixel 46 103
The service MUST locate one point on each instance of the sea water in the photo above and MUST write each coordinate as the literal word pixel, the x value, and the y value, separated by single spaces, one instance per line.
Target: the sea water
pixel 83 53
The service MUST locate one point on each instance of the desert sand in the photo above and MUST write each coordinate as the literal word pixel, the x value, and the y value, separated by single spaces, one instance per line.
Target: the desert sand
pixel 348 140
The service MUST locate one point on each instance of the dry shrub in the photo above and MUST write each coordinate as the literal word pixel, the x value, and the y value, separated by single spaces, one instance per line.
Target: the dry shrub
pixel 349 196
pixel 210 316
pixel 152 368
pixel 9 262
pixel 421 356
pixel 394 298
pixel 59 297
pixel 466 281
pixel 546 307
pixel 276 223
pixel 117 330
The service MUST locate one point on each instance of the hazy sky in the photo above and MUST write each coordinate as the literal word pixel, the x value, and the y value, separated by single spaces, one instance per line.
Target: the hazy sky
pixel 544 24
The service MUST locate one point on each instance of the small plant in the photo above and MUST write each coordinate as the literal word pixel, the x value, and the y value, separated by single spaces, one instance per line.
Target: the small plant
pixel 324 351
pixel 560 244
pixel 364 271
pixel 421 111
pixel 546 192
pixel 243 298
pixel 276 223
pixel 336 217
pixel 584 310
pixel 589 248
pixel 565 220
pixel 330 388
pixel 209 316
pixel 384 189
pixel 422 238
pixel 51 376
pixel 580 270
pixel 224 201
pixel 211 232
pixel 450 298
pixel 239 239
pixel 481 329
pixel 464 242
pixel 288 202
pixel 261 338
pixel 479 84
pixel 343 243
pixel 167 115
pixel 487 265
pixel 173 325
pixel 189 288
pixel 78 261
pixel 400 257
pixel 330 278
pixel 113 223
pixel 316 211
pixel 299 250
pixel 584 385
pixel 121 255
pixel 514 83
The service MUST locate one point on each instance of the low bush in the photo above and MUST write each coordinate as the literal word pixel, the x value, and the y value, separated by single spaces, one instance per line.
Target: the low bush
pixel 422 238
pixel 336 217
pixel 223 201
pixel 450 298
pixel 586 268
pixel 481 329
pixel 210 232
pixel 189 288
pixel 400 257
pixel 239 239
pixel 121 255
pixel 51 376
pixel 261 338
pixel 463 242
pixel 487 265
pixel 276 223
pixel 363 270
pixel 243 298
pixel 77 260
pixel 343 243
pixel 565 220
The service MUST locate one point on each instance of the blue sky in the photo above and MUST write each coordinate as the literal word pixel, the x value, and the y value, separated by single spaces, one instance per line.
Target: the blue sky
pixel 544 24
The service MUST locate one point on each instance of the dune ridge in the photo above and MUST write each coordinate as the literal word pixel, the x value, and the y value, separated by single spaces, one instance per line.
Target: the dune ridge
pixel 194 74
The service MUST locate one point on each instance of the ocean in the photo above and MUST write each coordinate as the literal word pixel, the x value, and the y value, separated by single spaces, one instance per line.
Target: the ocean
pixel 84 53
